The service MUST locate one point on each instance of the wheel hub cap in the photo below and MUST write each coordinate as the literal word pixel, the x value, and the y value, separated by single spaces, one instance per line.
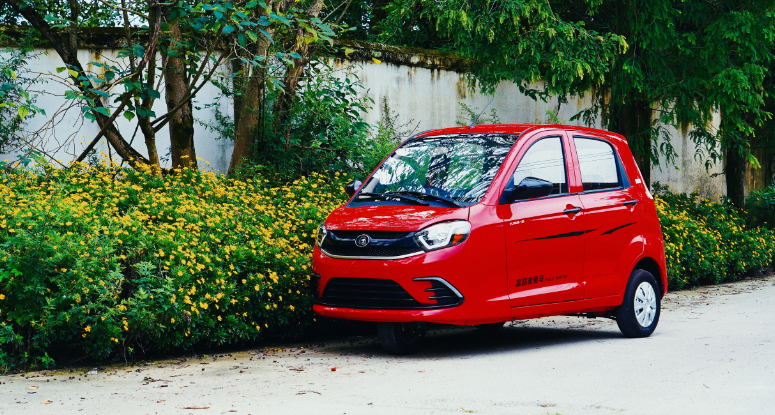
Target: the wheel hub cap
pixel 645 304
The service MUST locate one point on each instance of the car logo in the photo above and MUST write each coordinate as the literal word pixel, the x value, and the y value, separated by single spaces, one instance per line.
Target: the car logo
pixel 362 240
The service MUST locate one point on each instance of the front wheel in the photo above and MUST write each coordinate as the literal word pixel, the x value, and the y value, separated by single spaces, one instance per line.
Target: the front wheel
pixel 401 338
pixel 639 313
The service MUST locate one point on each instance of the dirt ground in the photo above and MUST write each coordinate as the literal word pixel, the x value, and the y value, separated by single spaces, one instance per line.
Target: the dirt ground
pixel 713 353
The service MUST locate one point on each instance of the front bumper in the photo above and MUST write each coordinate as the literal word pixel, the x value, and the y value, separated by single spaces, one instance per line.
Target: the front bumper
pixel 423 276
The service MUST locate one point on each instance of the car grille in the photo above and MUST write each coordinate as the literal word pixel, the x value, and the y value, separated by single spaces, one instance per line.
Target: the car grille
pixel 383 244
pixel 372 234
pixel 367 293
pixel 370 251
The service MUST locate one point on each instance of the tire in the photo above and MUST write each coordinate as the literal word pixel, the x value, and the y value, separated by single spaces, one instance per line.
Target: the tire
pixel 490 327
pixel 401 338
pixel 639 313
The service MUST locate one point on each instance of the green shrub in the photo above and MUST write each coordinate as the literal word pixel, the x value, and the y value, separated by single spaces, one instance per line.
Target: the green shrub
pixel 709 242
pixel 760 206
pixel 109 262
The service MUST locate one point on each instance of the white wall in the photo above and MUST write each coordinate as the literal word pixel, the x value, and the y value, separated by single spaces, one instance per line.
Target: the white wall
pixel 429 97
pixel 432 97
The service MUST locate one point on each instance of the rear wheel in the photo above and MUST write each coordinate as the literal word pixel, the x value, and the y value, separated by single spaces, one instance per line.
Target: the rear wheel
pixel 401 338
pixel 639 313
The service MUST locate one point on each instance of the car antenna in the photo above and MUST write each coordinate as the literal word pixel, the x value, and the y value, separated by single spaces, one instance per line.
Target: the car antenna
pixel 480 114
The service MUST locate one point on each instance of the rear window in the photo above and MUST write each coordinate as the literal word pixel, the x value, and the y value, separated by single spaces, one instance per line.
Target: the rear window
pixel 598 164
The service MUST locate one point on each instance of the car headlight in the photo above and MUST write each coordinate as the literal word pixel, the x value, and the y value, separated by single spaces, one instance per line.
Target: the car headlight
pixel 442 235
pixel 320 234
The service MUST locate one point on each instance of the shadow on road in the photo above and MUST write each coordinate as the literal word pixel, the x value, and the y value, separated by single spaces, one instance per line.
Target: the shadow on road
pixel 462 342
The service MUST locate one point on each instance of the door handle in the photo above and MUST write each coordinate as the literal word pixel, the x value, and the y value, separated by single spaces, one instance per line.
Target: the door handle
pixel 631 202
pixel 574 210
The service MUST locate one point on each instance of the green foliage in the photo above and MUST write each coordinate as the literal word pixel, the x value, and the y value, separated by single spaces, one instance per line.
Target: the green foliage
pixel 103 260
pixel 198 22
pixel 518 40
pixel 693 59
pixel 760 206
pixel 323 129
pixel 708 242
pixel 467 116
pixel 89 14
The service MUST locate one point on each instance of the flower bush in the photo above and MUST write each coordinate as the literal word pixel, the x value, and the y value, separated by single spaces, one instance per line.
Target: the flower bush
pixel 760 206
pixel 709 242
pixel 109 261
pixel 102 261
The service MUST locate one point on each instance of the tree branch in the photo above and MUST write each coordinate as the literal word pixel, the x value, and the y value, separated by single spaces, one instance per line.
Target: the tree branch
pixel 148 53
pixel 161 121
pixel 123 9
pixel 70 58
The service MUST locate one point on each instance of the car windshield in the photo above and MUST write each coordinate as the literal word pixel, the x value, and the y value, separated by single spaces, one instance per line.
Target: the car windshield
pixel 452 169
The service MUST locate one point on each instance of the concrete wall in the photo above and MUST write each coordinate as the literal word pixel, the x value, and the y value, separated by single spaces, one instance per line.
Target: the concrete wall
pixel 431 98
pixel 424 88
pixel 688 173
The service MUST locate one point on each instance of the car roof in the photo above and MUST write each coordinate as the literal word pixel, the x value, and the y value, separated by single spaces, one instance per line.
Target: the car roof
pixel 519 129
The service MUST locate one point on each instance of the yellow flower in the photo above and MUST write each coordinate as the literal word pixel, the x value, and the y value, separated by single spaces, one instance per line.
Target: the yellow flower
pixel 172 320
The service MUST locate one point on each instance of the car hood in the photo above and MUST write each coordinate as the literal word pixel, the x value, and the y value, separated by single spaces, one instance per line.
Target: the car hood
pixel 391 217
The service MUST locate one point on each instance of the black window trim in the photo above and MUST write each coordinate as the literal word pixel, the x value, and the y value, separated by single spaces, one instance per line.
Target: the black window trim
pixel 561 136
pixel 624 181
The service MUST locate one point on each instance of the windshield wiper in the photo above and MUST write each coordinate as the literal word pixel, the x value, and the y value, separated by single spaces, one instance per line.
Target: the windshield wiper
pixel 422 195
pixel 388 196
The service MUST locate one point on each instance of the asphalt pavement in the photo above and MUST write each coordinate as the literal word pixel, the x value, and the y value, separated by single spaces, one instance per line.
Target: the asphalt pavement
pixel 712 353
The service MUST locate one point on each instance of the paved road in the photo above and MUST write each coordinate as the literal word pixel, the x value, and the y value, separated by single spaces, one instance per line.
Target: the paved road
pixel 713 353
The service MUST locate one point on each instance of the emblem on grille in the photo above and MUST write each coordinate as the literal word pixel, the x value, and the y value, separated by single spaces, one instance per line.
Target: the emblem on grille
pixel 362 240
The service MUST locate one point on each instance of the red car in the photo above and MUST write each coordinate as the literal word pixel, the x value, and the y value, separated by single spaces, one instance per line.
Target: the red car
pixel 483 225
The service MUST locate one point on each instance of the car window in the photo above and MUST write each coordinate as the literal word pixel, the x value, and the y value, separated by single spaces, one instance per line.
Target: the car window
pixel 544 160
pixel 597 164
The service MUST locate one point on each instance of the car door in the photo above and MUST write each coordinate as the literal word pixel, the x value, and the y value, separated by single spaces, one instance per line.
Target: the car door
pixel 544 235
pixel 612 208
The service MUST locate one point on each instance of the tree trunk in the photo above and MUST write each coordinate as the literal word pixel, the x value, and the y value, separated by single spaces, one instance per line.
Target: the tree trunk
pixel 634 124
pixel 293 75
pixel 735 175
pixel 246 119
pixel 145 122
pixel 181 124
pixel 246 106
pixel 239 89
pixel 73 29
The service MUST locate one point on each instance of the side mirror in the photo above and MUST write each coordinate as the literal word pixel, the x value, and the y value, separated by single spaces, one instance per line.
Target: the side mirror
pixel 529 188
pixel 352 187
